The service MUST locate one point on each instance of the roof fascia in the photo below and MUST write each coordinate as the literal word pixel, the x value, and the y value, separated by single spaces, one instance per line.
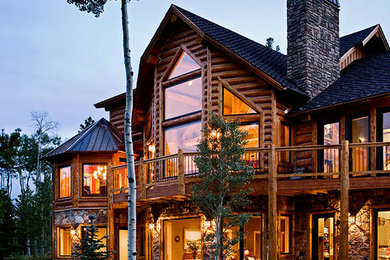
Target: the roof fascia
pixel 378 30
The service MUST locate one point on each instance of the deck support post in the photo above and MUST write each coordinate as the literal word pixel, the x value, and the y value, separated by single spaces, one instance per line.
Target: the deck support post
pixel 344 200
pixel 180 161
pixel 272 204
pixel 141 174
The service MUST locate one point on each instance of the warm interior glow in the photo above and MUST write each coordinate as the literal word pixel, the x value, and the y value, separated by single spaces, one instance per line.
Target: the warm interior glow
pixel 331 136
pixel 183 65
pixel 360 134
pixel 324 237
pixel 183 98
pixel 65 184
pixel 386 138
pixel 64 241
pixel 184 137
pixel 102 231
pixel 284 141
pixel 232 105
pixel 94 179
pixel 383 235
pixel 285 234
pixel 73 232
pixel 123 241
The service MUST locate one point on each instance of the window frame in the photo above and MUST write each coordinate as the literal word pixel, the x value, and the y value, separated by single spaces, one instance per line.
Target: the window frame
pixel 82 179
pixel 290 233
pixel 379 135
pixel 376 224
pixel 59 181
pixel 258 129
pixel 58 253
pixel 223 103
pixel 283 123
pixel 320 141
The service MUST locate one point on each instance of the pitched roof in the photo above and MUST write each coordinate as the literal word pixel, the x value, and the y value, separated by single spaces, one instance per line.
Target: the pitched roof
pixel 350 40
pixel 362 79
pixel 270 62
pixel 100 137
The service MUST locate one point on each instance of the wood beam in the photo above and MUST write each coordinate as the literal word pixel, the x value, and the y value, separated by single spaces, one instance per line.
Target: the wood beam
pixel 344 200
pixel 181 179
pixel 272 206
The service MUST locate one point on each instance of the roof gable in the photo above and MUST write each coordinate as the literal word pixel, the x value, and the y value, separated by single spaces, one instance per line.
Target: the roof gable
pixel 100 137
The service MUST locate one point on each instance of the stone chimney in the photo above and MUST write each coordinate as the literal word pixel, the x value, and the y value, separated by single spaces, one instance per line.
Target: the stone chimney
pixel 313 44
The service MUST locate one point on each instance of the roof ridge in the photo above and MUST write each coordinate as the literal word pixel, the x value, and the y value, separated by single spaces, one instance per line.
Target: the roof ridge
pixel 371 27
pixel 85 134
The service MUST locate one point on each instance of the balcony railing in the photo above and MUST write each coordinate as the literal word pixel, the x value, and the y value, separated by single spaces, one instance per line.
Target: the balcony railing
pixel 289 163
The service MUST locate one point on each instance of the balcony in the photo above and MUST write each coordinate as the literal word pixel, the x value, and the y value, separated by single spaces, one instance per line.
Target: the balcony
pixel 293 170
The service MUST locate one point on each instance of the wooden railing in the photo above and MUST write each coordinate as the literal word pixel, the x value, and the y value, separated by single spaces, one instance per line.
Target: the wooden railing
pixel 290 163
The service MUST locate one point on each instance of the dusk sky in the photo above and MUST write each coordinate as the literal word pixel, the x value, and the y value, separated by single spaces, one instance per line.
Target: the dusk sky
pixel 57 59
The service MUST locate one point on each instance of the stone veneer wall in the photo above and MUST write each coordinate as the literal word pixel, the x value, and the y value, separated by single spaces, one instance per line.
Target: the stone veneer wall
pixel 313 44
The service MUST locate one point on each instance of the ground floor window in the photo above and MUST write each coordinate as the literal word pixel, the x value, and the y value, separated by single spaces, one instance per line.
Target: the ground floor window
pixel 323 237
pixel 383 234
pixel 123 239
pixel 64 241
pixel 285 234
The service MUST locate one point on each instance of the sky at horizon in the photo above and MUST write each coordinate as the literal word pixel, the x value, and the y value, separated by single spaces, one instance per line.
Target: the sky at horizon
pixel 57 59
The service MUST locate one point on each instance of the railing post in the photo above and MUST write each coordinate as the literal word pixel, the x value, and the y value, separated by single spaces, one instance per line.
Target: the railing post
pixel 141 173
pixel 344 200
pixel 272 206
pixel 180 161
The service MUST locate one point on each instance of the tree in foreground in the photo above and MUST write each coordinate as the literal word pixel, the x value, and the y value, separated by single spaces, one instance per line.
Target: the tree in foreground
pixel 223 192
pixel 97 7
pixel 92 247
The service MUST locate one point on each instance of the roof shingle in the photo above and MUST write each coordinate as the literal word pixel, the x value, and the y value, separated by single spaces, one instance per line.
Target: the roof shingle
pixel 350 40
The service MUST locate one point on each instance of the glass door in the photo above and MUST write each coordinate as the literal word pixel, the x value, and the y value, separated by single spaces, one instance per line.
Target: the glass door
pixel 323 237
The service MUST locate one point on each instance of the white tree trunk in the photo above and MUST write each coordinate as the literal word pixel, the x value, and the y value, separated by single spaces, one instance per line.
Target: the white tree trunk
pixel 132 213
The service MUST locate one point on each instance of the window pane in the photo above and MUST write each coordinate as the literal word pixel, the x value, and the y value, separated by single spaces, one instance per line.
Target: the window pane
pixel 183 98
pixel 232 105
pixel 284 141
pixel 285 234
pixel 65 242
pixel 253 134
pixel 386 138
pixel 253 238
pixel 184 137
pixel 121 181
pixel 65 182
pixel 94 178
pixel 183 65
pixel 360 134
pixel 383 226
pixel 331 156
pixel 323 237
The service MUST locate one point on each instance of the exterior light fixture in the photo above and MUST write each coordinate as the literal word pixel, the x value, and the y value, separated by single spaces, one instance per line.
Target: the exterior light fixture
pixel 152 148
pixel 73 232
pixel 207 224
pixel 246 252
pixel 151 226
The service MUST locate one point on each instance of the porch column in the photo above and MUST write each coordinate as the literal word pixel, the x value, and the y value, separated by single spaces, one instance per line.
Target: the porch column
pixel 344 200
pixel 272 210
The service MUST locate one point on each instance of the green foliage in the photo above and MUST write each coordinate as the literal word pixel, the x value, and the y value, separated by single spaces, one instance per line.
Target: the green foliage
pixel 8 242
pixel 8 158
pixel 223 191
pixel 90 6
pixel 270 44
pixel 91 247
pixel 87 123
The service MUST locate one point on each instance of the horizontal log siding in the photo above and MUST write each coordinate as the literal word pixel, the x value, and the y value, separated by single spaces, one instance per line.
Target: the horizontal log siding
pixel 117 117
pixel 304 136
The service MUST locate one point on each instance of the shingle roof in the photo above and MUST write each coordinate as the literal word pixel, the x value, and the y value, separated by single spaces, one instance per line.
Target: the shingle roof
pixel 271 62
pixel 350 40
pixel 100 137
pixel 363 78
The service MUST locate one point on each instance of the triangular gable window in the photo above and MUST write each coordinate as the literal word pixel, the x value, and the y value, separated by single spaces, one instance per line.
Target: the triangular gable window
pixel 233 105
pixel 183 65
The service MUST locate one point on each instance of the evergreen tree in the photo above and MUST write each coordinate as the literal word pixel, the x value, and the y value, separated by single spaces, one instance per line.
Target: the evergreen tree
pixel 91 247
pixel 269 42
pixel 223 192
pixel 87 123
pixel 8 243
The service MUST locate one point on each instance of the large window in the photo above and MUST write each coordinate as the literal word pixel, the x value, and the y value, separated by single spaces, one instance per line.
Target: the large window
pixel 360 134
pixel 64 241
pixel 253 158
pixel 323 237
pixel 65 184
pixel 184 137
pixel 94 179
pixel 383 235
pixel 329 159
pixel 386 138
pixel 183 98
pixel 183 65
pixel 232 105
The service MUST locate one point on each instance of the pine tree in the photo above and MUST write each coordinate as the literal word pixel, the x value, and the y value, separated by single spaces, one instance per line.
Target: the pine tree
pixel 91 247
pixel 223 191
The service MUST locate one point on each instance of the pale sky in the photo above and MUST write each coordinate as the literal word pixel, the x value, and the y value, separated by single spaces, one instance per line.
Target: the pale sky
pixel 57 59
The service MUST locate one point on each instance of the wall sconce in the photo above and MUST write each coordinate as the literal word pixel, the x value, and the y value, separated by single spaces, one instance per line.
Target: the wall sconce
pixel 151 226
pixel 73 232
pixel 152 148
pixel 246 252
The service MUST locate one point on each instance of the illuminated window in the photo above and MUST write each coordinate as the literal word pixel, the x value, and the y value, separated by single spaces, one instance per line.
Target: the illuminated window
pixel 323 237
pixel 285 234
pixel 184 137
pixel 102 231
pixel 232 105
pixel 331 136
pixel 253 158
pixel 253 238
pixel 65 182
pixel 383 235
pixel 183 65
pixel 64 241
pixel 94 179
pixel 360 134
pixel 183 98
pixel 121 181
pixel 386 138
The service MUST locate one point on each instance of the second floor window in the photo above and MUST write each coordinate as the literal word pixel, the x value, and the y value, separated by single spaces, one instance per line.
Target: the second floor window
pixel 65 182
pixel 94 179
